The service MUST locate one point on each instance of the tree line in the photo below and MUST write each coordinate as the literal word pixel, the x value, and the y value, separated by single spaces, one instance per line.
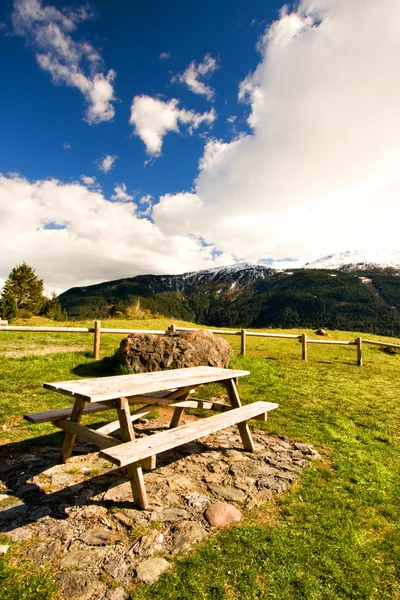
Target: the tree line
pixel 23 297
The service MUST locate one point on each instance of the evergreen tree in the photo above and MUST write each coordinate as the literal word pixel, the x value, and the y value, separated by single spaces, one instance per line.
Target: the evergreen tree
pixel 52 309
pixel 27 290
pixel 8 307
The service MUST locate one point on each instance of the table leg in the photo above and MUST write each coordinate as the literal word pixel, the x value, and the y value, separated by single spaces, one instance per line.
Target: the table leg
pixel 135 473
pixel 244 429
pixel 178 412
pixel 69 439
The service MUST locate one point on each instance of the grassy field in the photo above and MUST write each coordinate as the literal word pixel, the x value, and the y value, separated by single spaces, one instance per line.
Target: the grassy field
pixel 335 535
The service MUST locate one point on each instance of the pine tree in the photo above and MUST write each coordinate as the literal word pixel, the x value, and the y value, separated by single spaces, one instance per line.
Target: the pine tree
pixel 52 309
pixel 26 289
pixel 8 308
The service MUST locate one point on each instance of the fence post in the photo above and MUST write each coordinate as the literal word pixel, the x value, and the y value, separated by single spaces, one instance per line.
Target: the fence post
pixel 359 351
pixel 304 346
pixel 172 328
pixel 96 348
pixel 243 342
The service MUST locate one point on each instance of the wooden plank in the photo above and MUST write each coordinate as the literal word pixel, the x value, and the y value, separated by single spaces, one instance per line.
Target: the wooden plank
pixel 100 439
pixel 120 386
pixel 244 429
pixel 127 331
pixel 141 448
pixel 274 335
pixel 54 329
pixel 216 331
pixel 135 472
pixel 63 413
pixel 380 343
pixel 337 342
pixel 160 399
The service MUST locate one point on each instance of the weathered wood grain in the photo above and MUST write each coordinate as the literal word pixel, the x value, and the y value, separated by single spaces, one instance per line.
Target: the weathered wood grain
pixel 137 450
pixel 121 386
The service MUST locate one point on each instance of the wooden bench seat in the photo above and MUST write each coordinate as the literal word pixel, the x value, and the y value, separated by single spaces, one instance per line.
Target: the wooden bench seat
pixel 137 450
pixel 63 413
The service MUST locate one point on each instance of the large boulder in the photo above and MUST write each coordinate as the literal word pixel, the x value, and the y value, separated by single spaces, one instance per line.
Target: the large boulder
pixel 143 352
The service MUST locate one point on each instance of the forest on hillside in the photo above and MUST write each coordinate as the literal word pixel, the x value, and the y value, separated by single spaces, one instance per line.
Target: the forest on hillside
pixel 303 298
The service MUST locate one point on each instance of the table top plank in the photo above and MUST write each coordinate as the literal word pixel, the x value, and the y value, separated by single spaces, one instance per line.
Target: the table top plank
pixel 119 386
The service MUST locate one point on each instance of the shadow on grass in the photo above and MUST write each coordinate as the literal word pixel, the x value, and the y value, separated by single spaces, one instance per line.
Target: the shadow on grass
pixel 96 368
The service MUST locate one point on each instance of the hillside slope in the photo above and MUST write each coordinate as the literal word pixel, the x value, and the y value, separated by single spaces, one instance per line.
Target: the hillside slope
pixel 248 296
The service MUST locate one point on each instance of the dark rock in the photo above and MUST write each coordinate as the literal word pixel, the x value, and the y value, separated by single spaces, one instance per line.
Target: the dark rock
pixel 40 513
pixel 322 332
pixel 143 352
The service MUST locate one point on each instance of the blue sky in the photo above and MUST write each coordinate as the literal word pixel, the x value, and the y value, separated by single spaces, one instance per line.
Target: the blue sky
pixel 39 118
pixel 165 137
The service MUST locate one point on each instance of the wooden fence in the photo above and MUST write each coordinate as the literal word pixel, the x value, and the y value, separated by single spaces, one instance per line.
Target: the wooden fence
pixel 97 330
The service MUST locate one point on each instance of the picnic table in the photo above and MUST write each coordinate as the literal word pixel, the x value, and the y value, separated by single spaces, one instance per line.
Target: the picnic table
pixel 170 388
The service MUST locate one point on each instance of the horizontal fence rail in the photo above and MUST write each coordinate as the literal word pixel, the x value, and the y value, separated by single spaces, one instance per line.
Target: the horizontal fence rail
pixel 97 330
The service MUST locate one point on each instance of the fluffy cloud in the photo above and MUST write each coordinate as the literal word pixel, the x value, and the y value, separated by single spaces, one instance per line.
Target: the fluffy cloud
pixel 196 72
pixel 106 163
pixel 74 63
pixel 120 194
pixel 164 56
pixel 82 238
pixel 152 119
pixel 88 180
pixel 319 171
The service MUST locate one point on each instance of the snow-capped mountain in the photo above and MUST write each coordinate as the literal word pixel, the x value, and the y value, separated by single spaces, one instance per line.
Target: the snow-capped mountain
pixel 357 260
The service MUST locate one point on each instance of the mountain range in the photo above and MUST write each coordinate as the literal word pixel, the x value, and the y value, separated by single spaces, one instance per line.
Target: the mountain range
pixel 333 292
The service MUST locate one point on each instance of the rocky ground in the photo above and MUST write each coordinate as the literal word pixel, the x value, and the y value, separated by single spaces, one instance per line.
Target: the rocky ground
pixel 80 519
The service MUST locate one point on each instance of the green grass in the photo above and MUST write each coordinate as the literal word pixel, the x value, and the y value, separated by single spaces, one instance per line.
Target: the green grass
pixel 335 535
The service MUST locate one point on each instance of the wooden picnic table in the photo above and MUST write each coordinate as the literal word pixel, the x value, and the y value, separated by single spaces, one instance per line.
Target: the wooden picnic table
pixel 161 388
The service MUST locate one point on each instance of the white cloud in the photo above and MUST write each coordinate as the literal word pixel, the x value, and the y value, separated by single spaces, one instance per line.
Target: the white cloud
pixel 74 236
pixel 319 172
pixel 153 119
pixel 66 146
pixel 121 194
pixel 195 72
pixel 165 56
pixel 88 180
pixel 74 63
pixel 147 203
pixel 106 163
